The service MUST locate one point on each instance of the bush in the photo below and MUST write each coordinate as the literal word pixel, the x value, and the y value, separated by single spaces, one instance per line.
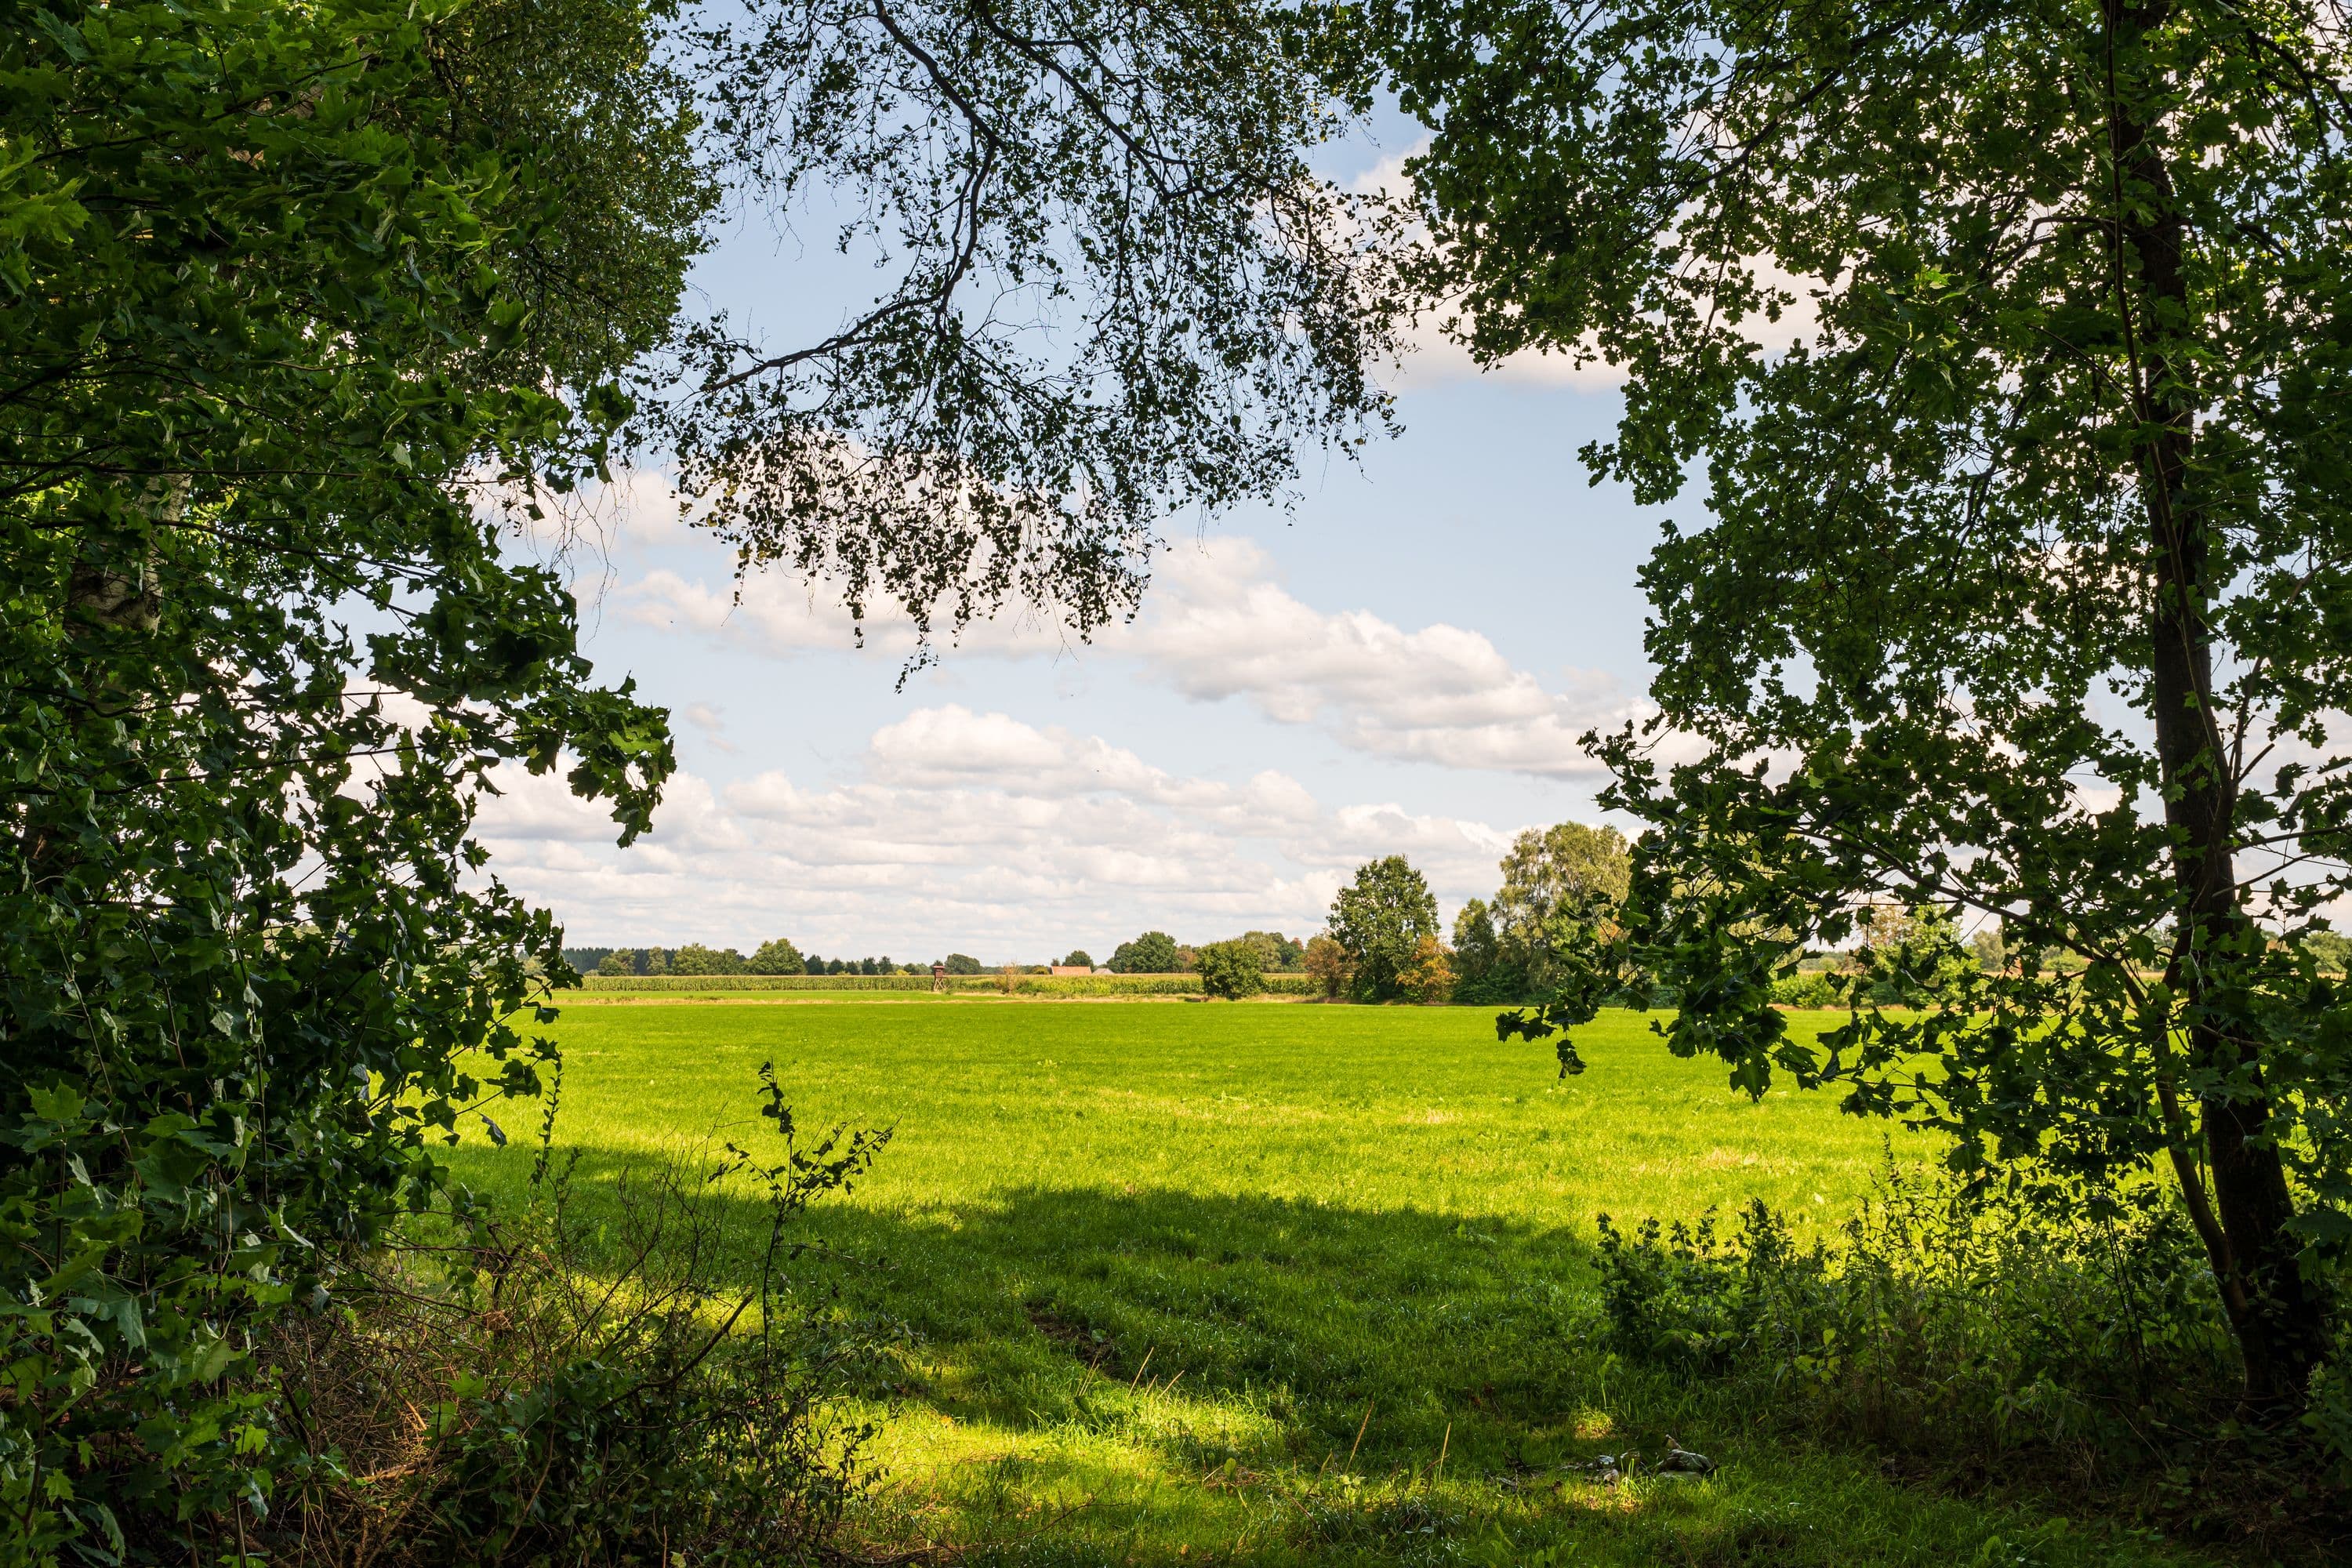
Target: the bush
pixel 1815 988
pixel 1232 969
pixel 1428 976
pixel 594 1393
pixel 1329 966
pixel 1987 1331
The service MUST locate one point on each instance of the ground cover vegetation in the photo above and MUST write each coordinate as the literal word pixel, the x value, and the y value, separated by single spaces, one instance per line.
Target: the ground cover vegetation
pixel 1224 1283
pixel 301 303
pixel 2023 584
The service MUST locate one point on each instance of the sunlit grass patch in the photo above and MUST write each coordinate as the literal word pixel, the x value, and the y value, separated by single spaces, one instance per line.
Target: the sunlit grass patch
pixel 1225 1283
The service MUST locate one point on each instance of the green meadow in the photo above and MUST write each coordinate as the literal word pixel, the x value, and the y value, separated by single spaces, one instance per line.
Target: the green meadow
pixel 1279 1283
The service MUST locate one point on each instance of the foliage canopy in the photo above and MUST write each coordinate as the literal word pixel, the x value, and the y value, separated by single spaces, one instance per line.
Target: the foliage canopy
pixel 2012 343
pixel 292 300
pixel 1380 921
pixel 1153 952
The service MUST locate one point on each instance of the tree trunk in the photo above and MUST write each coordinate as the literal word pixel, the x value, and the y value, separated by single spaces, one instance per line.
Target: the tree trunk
pixel 2279 1317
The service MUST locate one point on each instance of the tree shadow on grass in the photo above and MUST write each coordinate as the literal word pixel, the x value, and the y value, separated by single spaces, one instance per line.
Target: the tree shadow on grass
pixel 1270 1381
pixel 1308 1310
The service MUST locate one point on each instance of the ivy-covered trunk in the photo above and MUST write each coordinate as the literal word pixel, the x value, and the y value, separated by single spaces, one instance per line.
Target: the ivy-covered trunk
pixel 2280 1316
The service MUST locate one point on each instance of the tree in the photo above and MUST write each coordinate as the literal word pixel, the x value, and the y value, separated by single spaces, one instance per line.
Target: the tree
pixel 657 960
pixel 1232 970
pixel 616 963
pixel 1556 882
pixel 2025 560
pixel 298 307
pixel 275 309
pixel 776 957
pixel 1117 288
pixel 2331 951
pixel 1275 950
pixel 1991 956
pixel 961 963
pixel 1079 959
pixel 1327 964
pixel 1380 921
pixel 697 960
pixel 1474 942
pixel 1153 952
pixel 1427 975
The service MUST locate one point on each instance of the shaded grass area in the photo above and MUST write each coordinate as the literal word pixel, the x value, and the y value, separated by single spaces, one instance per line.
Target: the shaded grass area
pixel 1163 1264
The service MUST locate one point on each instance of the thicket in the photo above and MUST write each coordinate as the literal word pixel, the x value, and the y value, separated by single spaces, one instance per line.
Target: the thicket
pixel 597 1376
pixel 1990 1338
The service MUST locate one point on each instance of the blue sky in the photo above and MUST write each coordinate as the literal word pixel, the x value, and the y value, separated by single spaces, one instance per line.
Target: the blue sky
pixel 1398 664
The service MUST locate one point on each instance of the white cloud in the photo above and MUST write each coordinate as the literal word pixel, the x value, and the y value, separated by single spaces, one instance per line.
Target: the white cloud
pixel 711 721
pixel 969 831
pixel 1437 355
pixel 1216 627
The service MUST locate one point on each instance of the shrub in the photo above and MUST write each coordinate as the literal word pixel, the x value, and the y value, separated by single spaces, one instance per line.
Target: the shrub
pixel 1232 969
pixel 597 1391
pixel 1985 1329
pixel 1427 976
pixel 1814 988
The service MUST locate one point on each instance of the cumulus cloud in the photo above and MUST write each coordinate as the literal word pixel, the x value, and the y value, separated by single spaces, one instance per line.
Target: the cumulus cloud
pixel 1435 354
pixel 965 830
pixel 1217 626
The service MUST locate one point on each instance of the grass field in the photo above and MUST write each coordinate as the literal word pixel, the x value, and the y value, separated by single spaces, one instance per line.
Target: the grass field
pixel 1160 1261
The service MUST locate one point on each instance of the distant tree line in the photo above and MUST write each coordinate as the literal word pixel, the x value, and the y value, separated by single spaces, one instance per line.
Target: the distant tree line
pixel 777 957
pixel 1385 944
pixel 1153 952
pixel 1156 952
pixel 1559 885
